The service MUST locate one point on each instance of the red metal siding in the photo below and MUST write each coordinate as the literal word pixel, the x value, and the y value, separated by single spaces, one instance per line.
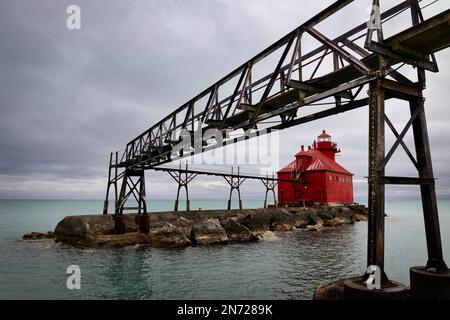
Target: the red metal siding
pixel 286 191
pixel 339 189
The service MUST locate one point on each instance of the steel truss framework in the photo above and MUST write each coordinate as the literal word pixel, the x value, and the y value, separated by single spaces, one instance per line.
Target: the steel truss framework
pixel 183 176
pixel 207 120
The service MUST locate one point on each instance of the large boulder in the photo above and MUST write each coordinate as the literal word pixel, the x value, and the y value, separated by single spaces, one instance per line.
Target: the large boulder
pixel 342 212
pixel 84 226
pixel 166 235
pixel 360 210
pixel 282 221
pixel 184 225
pixel 335 216
pixel 357 217
pixel 343 215
pixel 257 223
pixel 316 223
pixel 237 232
pixel 301 219
pixel 38 235
pixel 208 232
pixel 91 225
pixel 315 220
pixel 332 222
pixel 326 213
pixel 85 230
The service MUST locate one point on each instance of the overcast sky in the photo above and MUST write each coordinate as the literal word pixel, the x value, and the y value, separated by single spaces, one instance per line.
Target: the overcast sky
pixel 69 97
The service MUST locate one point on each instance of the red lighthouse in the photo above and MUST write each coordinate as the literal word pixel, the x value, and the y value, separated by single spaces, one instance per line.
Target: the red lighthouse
pixel 320 178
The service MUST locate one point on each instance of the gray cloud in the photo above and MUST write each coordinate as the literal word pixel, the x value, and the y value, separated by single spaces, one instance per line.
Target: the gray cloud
pixel 68 98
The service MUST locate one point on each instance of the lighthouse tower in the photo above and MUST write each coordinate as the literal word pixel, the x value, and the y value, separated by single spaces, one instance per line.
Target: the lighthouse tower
pixel 326 146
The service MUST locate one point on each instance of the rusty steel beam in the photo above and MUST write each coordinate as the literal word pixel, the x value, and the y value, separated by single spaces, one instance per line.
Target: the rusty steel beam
pixel 406 180
pixel 375 243
pixel 428 191
pixel 364 69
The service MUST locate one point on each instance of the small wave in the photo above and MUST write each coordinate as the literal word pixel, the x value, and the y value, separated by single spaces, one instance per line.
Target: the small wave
pixel 268 236
pixel 46 244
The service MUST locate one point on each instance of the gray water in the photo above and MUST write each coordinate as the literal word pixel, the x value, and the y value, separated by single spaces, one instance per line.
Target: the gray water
pixel 287 268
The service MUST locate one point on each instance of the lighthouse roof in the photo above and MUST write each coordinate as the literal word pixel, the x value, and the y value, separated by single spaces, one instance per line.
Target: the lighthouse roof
pixel 304 153
pixel 324 134
pixel 319 162
pixel 289 168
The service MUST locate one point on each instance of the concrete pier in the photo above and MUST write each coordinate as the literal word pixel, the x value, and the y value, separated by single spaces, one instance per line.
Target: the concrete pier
pixel 355 289
pixel 429 285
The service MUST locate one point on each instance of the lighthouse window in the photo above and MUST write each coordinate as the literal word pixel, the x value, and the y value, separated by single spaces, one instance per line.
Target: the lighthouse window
pixel 322 139
pixel 330 178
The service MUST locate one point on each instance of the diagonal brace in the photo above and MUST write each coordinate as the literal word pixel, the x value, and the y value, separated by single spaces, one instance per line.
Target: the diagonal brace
pixel 340 51
pixel 399 139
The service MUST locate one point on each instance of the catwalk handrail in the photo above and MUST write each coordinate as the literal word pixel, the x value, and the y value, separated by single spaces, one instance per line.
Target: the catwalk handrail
pixel 224 174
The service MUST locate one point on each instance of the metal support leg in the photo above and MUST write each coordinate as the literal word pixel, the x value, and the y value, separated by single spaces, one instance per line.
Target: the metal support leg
pixel 188 202
pixel 358 288
pixel 375 250
pixel 428 192
pixel 235 182
pixel 182 177
pixel 375 241
pixel 270 185
pixel 133 184
pixel 240 200
pixel 112 180
pixel 144 218
pixel 177 199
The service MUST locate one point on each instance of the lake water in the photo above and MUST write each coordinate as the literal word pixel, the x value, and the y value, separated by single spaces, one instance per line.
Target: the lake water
pixel 289 267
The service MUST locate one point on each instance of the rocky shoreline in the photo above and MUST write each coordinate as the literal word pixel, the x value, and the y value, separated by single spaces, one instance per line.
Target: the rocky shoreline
pixel 210 227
